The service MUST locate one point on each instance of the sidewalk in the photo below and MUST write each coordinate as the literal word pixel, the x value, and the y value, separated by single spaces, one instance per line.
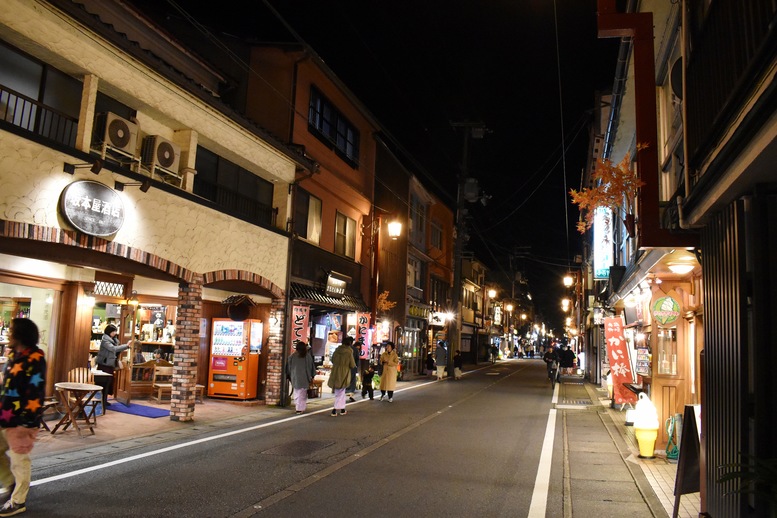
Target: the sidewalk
pixel 603 475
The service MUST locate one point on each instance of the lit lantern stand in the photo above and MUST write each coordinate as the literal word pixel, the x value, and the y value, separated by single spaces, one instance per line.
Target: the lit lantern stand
pixel 646 426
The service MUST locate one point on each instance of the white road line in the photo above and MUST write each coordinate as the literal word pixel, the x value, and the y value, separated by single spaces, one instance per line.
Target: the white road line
pixel 160 451
pixel 539 497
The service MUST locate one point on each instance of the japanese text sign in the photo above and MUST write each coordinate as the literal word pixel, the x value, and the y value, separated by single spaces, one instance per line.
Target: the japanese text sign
pixel 299 324
pixel 362 332
pixel 620 366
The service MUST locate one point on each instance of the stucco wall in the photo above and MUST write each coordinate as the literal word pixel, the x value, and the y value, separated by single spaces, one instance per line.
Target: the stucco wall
pixel 195 237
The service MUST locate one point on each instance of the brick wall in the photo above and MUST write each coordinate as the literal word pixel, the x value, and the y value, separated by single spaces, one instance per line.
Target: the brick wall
pixel 187 331
pixel 275 353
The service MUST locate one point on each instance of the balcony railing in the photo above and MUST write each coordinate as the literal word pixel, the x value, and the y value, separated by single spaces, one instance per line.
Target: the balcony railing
pixel 28 114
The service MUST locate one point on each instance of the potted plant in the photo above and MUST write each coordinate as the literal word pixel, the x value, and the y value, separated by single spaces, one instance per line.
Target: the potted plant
pixel 753 476
pixel 615 188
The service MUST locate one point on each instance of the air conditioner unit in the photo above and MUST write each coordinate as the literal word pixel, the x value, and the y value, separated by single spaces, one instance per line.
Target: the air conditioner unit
pixel 160 153
pixel 117 133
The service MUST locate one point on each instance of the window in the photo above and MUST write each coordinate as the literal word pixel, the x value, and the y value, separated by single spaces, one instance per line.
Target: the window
pixel 439 292
pixel 667 351
pixel 38 98
pixel 307 216
pixel 345 236
pixel 414 273
pixel 417 223
pixel 236 190
pixel 436 235
pixel 332 128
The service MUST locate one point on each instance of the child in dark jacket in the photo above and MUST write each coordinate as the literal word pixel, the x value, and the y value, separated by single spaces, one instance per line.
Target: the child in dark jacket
pixel 368 373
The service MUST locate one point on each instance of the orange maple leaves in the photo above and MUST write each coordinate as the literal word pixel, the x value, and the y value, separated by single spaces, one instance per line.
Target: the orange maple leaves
pixel 616 186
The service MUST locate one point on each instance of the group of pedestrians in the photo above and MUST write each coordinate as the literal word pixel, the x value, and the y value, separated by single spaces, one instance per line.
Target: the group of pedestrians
pixel 563 360
pixel 300 370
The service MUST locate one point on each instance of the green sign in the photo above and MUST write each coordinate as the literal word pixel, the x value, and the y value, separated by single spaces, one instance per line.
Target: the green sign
pixel 666 311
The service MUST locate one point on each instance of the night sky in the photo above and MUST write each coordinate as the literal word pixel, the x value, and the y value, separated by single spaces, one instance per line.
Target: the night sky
pixel 419 65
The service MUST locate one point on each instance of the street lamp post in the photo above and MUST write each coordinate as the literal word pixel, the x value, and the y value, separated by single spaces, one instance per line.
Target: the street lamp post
pixel 509 309
pixel 394 230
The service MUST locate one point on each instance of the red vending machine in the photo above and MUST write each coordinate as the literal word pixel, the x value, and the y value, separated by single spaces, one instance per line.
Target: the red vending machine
pixel 235 349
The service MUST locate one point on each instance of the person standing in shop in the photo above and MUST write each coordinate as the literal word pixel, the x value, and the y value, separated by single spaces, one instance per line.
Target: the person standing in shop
pixel 109 352
pixel 388 375
pixel 301 370
pixel 21 403
pixel 340 376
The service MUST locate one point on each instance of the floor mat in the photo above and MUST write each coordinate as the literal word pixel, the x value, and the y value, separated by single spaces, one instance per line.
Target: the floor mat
pixel 141 410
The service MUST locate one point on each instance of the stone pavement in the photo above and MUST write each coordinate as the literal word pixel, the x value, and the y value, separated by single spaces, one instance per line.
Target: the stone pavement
pixel 603 475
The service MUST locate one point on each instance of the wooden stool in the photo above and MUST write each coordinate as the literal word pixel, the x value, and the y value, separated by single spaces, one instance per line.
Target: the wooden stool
pixel 198 392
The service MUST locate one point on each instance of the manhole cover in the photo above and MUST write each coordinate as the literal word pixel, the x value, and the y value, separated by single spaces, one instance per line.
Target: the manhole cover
pixel 299 448
pixel 492 374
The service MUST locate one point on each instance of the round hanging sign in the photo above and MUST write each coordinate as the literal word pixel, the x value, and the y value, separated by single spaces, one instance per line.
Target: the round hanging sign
pixel 666 311
pixel 92 208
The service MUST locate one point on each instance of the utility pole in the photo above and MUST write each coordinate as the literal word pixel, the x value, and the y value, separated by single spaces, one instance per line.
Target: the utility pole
pixel 470 130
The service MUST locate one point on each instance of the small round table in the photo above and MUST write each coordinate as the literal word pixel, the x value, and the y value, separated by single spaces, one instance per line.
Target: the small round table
pixel 75 397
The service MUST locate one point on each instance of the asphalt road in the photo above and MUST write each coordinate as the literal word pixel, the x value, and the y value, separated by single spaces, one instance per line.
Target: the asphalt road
pixel 455 448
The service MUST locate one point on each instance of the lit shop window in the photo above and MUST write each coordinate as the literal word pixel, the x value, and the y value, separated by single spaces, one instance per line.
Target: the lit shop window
pixel 666 348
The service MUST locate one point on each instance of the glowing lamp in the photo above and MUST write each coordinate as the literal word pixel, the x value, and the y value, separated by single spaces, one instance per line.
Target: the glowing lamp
pixel 394 229
pixel 646 426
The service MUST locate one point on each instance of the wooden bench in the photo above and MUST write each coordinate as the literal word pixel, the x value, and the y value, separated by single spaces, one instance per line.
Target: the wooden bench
pixel 161 383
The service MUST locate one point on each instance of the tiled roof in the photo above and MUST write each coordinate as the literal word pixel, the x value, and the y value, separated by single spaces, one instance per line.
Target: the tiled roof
pixel 315 295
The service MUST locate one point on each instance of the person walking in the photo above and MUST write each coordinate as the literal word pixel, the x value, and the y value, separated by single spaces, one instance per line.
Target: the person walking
pixel 368 372
pixel 340 376
pixel 356 353
pixel 551 362
pixel 440 359
pixel 109 352
pixel 301 370
pixel 21 403
pixel 458 363
pixel 430 363
pixel 388 376
pixel 567 360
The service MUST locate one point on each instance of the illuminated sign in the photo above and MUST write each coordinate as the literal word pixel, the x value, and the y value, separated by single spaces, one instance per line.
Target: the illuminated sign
pixel 92 208
pixel 666 311
pixel 603 248
pixel 336 283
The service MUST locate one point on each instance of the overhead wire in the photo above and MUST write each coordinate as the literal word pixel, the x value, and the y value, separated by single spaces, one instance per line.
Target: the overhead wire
pixel 561 119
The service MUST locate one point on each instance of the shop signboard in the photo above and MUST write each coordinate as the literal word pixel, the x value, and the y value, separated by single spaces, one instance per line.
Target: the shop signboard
pixel 299 324
pixel 620 365
pixel 665 311
pixel 362 332
pixel 336 284
pixel 92 208
pixel 603 243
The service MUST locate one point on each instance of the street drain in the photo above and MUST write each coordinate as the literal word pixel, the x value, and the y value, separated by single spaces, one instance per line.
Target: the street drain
pixel 298 448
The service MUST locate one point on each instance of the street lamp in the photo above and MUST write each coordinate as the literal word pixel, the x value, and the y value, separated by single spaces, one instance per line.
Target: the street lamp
pixel 394 230
pixel 568 280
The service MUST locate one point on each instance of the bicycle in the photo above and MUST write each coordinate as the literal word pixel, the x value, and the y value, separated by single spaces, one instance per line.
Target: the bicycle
pixel 553 373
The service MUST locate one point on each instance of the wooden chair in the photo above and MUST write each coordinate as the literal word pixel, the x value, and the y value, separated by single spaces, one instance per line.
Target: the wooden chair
pixel 199 390
pixel 84 375
pixel 48 403
pixel 162 382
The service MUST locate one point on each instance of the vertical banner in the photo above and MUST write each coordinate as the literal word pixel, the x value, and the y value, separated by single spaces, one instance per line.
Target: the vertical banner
pixel 620 366
pixel 362 328
pixel 299 324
